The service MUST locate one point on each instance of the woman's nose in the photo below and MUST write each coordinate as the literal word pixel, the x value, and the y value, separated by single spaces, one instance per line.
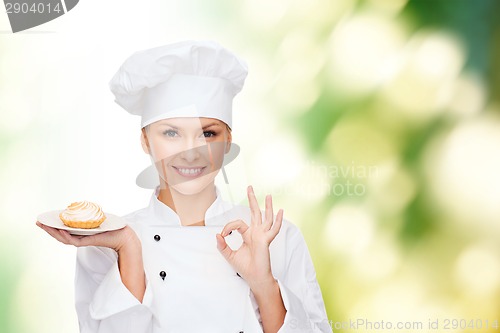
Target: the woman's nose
pixel 192 150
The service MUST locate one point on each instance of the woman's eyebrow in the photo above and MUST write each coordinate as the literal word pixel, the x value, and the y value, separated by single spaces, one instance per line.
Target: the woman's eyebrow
pixel 210 125
pixel 167 124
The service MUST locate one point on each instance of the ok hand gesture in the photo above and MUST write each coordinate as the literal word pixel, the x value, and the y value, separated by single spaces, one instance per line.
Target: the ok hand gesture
pixel 252 259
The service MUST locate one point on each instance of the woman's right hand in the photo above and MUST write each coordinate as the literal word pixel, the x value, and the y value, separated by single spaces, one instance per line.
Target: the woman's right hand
pixel 116 239
pixel 124 241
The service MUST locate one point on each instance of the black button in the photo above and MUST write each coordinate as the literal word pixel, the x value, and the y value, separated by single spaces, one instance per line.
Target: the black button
pixel 163 275
pixel 157 238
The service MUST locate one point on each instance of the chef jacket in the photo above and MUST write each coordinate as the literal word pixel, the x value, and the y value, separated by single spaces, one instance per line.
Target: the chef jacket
pixel 190 287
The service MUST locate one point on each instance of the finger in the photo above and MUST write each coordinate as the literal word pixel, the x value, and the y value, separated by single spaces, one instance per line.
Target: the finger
pixel 70 239
pixel 52 232
pixel 254 207
pixel 61 235
pixel 238 225
pixel 269 212
pixel 223 248
pixel 66 237
pixel 275 229
pixel 91 240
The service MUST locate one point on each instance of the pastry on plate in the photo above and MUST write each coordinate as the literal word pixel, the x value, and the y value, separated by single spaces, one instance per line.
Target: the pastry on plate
pixel 83 215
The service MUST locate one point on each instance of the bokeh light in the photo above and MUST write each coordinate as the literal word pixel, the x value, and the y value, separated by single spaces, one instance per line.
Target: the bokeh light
pixel 464 174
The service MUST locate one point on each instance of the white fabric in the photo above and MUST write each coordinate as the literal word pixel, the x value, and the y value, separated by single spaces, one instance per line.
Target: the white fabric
pixel 185 79
pixel 197 277
pixel 188 96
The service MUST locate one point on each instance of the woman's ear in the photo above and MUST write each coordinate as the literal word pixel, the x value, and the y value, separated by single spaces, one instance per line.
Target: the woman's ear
pixel 228 142
pixel 144 141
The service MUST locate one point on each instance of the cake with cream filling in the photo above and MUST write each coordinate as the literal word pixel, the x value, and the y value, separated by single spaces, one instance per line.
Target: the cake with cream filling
pixel 83 214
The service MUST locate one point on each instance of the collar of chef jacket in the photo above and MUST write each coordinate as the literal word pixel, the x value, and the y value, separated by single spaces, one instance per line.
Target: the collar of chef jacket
pixel 163 215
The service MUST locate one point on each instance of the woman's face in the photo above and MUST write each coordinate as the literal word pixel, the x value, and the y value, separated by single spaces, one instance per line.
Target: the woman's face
pixel 187 152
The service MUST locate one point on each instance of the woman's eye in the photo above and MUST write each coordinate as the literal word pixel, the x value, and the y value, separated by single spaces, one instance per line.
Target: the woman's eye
pixel 169 133
pixel 209 134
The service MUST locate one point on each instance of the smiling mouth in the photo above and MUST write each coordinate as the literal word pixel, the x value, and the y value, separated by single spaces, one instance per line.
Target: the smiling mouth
pixel 189 172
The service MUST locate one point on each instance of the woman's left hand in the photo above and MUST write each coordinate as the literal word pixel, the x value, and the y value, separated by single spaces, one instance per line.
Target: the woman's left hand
pixel 252 259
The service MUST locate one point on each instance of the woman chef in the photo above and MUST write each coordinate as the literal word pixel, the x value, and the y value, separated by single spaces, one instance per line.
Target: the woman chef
pixel 191 262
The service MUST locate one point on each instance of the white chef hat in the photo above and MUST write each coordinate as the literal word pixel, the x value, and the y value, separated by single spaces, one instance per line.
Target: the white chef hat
pixel 185 79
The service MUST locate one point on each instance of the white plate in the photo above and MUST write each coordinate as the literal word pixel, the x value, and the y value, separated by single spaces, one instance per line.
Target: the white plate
pixel 112 222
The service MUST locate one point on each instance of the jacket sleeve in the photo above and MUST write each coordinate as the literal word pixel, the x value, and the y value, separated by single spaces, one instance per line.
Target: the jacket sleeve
pixel 103 303
pixel 300 290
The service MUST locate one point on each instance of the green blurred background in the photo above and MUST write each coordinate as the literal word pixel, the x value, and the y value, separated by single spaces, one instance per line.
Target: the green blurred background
pixel 375 124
